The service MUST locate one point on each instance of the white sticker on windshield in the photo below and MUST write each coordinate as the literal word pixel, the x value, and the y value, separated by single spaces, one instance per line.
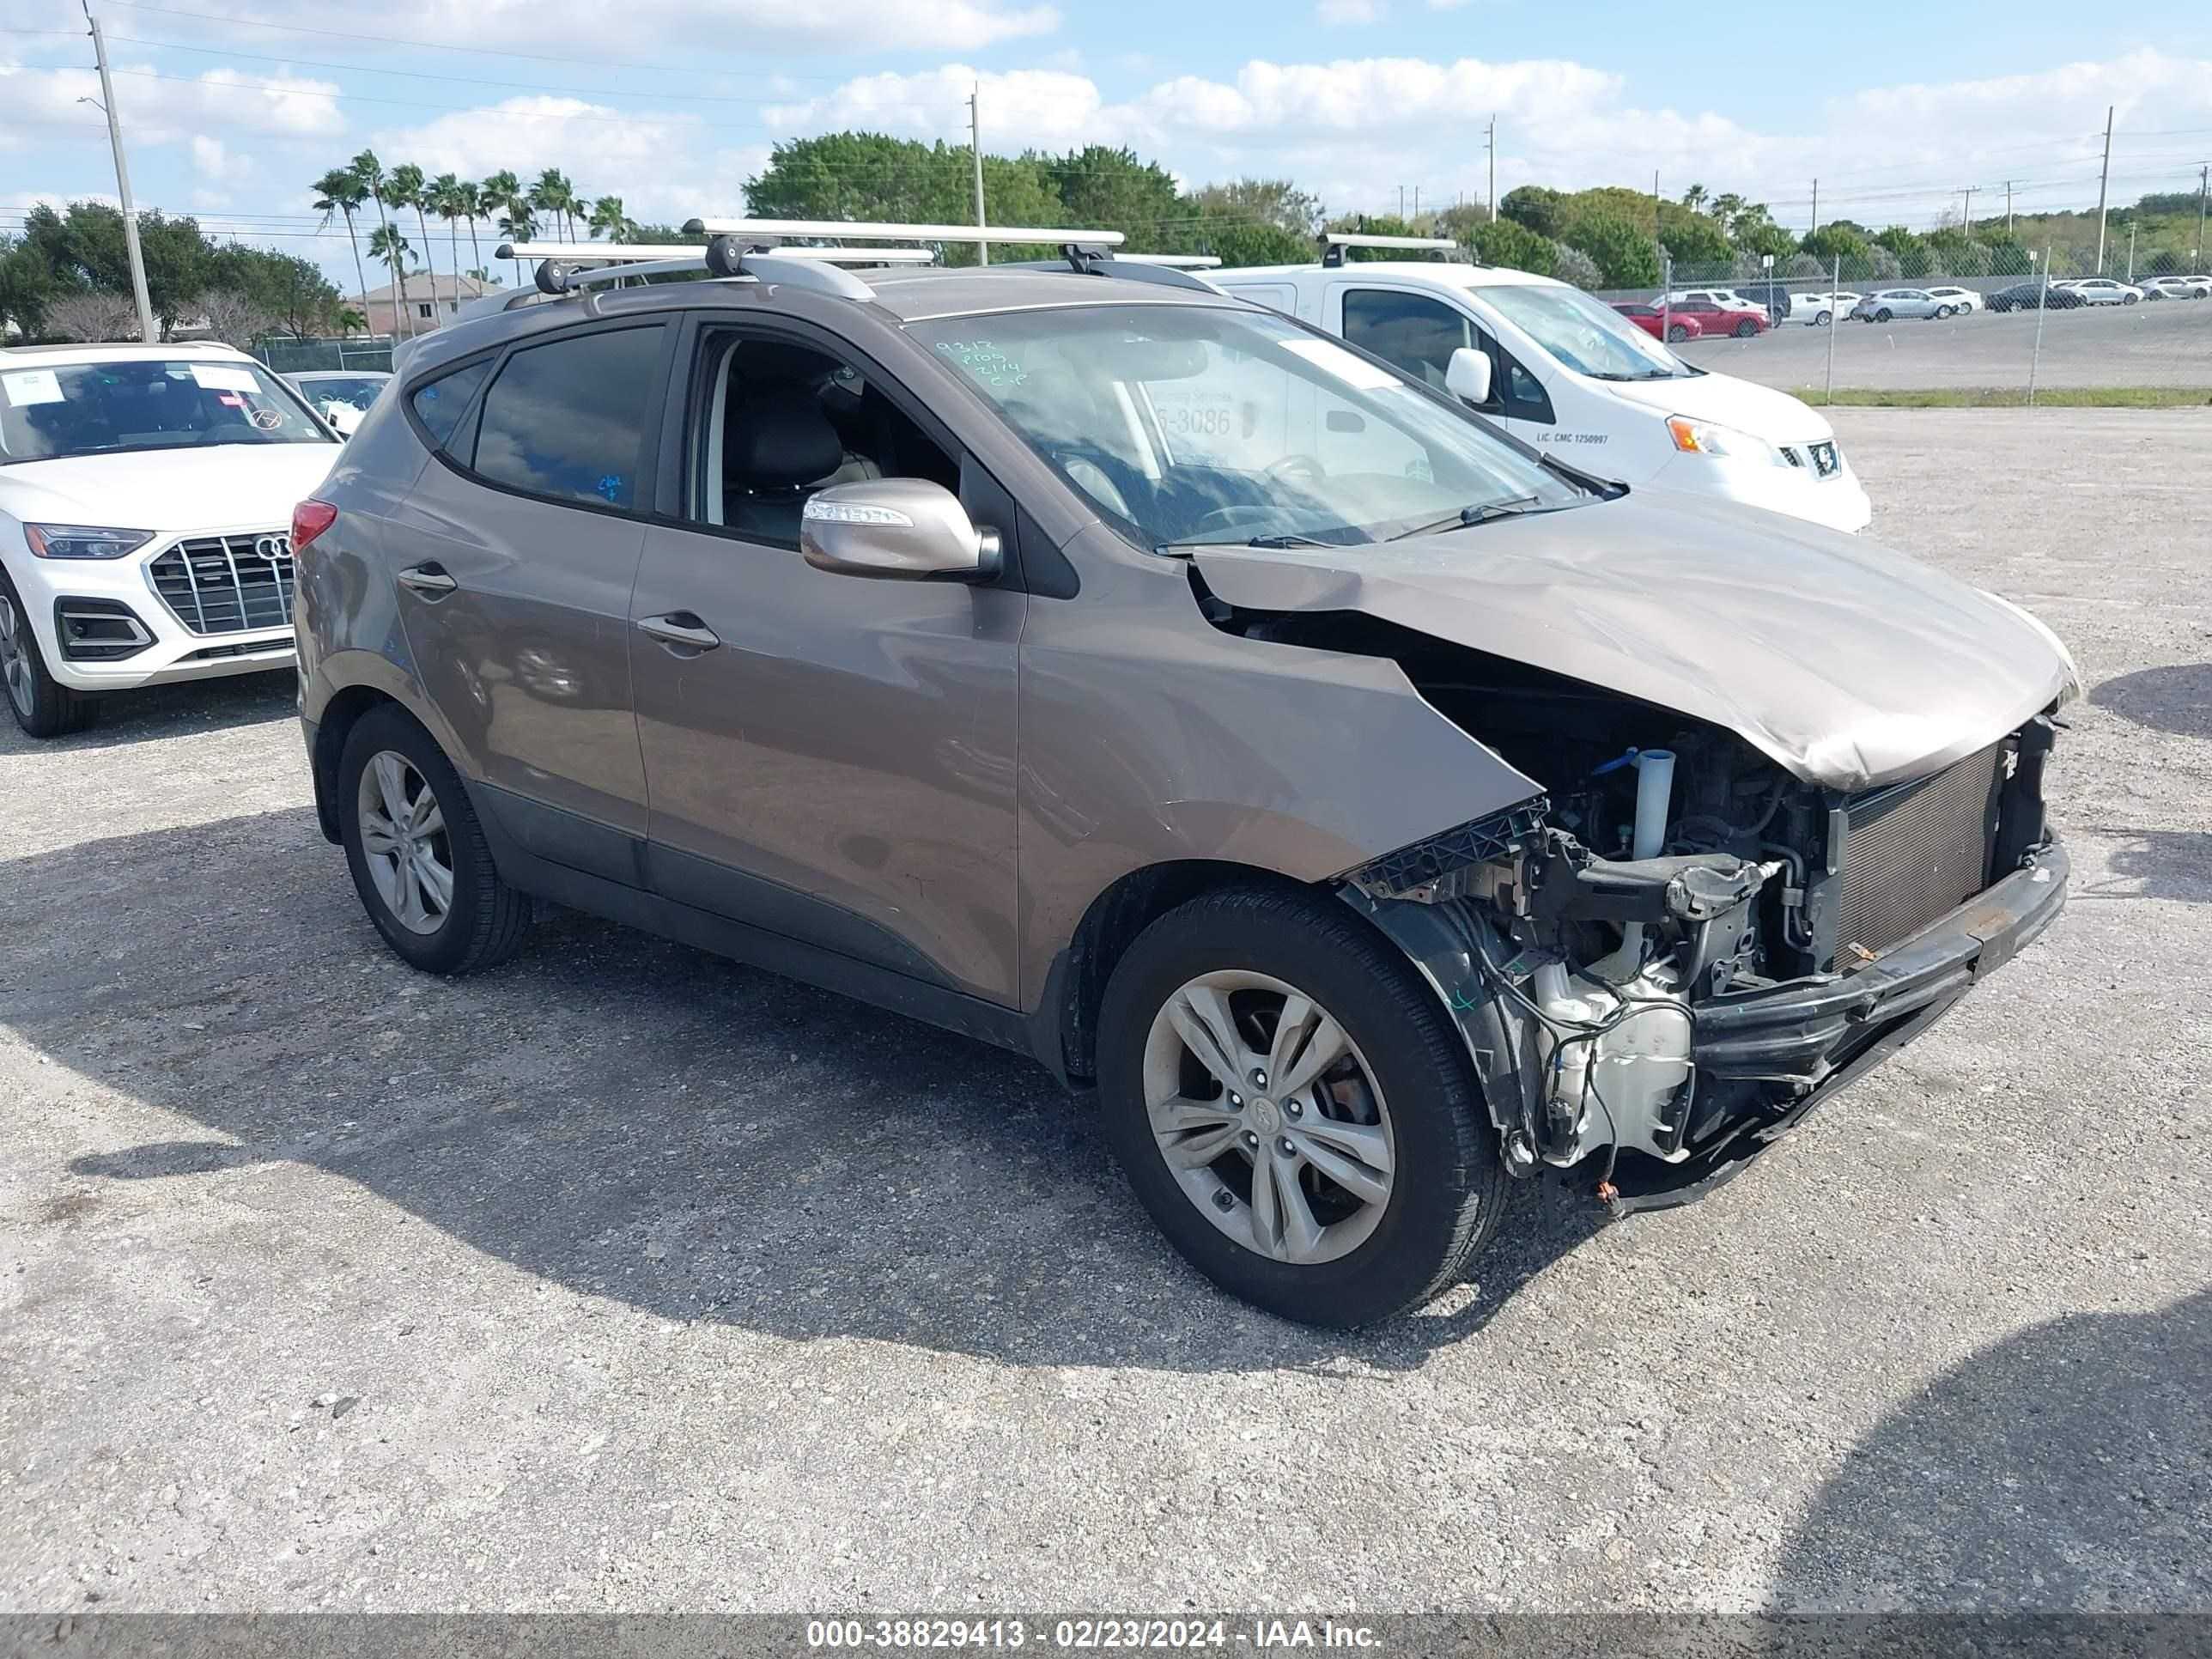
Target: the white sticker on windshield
pixel 32 385
pixel 1331 358
pixel 222 377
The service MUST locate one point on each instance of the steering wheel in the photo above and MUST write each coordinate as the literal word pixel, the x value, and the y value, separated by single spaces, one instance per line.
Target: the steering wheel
pixel 1296 466
pixel 1237 515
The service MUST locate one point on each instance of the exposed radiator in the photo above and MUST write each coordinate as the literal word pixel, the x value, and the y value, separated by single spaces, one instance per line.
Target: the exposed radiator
pixel 1914 851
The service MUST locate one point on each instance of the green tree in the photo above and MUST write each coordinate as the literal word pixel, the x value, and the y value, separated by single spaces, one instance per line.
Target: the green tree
pixel 1242 242
pixel 25 284
pixel 445 195
pixel 84 250
pixel 868 175
pixel 1103 188
pixel 1692 239
pixel 1838 239
pixel 1915 256
pixel 1516 248
pixel 1623 251
pixel 1571 265
pixel 1694 197
pixel 469 198
pixel 501 199
pixel 1274 201
pixel 291 293
pixel 609 223
pixel 1533 205
pixel 552 193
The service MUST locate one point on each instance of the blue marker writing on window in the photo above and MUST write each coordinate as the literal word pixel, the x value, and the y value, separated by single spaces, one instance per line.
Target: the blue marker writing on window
pixel 611 487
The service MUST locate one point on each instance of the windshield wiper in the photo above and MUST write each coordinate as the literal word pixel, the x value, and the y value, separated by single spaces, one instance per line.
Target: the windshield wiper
pixel 1480 513
pixel 1287 539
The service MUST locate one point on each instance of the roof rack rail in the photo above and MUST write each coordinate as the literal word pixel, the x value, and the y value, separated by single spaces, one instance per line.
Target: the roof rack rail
pixel 1173 261
pixel 1335 242
pixel 871 230
pixel 694 255
pixel 723 257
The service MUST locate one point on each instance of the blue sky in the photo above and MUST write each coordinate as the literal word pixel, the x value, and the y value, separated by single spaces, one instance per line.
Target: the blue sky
pixel 231 106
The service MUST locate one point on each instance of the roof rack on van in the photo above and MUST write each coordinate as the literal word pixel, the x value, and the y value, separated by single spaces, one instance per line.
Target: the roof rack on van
pixel 1333 243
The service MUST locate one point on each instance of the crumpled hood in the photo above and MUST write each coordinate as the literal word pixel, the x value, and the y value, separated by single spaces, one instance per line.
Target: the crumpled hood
pixel 1774 415
pixel 222 486
pixel 1851 665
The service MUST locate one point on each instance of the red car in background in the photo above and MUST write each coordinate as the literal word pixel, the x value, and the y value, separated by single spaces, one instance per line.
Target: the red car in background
pixel 1706 317
pixel 1679 326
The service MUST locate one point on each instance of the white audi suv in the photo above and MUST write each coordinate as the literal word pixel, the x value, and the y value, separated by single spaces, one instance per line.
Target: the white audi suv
pixel 146 496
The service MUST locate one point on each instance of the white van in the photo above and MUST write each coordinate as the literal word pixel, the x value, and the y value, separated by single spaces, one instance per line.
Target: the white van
pixel 1568 373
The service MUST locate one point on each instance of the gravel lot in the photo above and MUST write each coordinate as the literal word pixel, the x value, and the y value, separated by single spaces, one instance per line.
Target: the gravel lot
pixel 626 1277
pixel 2165 344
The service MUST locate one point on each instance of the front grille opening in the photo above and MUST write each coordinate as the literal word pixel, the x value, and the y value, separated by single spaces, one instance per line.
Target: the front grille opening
pixel 99 630
pixel 227 584
pixel 1912 853
pixel 246 648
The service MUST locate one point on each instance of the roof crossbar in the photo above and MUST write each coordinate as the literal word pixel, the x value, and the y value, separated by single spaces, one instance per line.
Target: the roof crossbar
pixel 1335 242
pixel 695 253
pixel 874 231
pixel 723 257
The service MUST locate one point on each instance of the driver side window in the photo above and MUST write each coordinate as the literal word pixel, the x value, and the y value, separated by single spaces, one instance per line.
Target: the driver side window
pixel 1415 332
pixel 779 421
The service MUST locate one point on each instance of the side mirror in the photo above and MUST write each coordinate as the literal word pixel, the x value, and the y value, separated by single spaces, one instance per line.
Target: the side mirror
pixel 907 529
pixel 1467 375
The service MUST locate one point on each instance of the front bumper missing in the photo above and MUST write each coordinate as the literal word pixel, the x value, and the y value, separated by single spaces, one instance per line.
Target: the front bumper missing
pixel 1821 1036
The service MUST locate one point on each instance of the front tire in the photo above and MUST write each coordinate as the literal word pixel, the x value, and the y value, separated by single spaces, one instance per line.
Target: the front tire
pixel 42 705
pixel 1883 315
pixel 1746 329
pixel 417 853
pixel 1677 334
pixel 1295 1109
pixel 1823 320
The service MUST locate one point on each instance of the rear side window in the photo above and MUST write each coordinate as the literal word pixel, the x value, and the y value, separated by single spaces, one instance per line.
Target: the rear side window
pixel 440 404
pixel 570 419
pixel 1417 333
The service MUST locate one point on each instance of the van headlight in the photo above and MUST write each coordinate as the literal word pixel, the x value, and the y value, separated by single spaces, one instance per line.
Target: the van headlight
pixel 80 541
pixel 1723 443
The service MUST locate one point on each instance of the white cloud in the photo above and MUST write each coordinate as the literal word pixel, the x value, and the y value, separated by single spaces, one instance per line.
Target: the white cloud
pixel 737 27
pixel 218 164
pixel 1345 14
pixel 161 110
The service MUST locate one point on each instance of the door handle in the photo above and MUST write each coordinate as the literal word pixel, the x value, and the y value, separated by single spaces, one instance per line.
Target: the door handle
pixel 428 578
pixel 680 629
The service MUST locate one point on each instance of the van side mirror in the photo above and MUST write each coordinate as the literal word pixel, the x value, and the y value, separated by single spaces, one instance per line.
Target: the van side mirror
pixel 907 529
pixel 1467 375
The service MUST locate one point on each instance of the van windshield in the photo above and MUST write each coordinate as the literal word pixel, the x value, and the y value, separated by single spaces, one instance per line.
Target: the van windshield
pixel 1185 424
pixel 1585 334
pixel 62 409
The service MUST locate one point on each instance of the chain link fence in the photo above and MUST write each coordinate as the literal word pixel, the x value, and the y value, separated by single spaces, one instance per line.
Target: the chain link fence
pixel 302 356
pixel 2054 330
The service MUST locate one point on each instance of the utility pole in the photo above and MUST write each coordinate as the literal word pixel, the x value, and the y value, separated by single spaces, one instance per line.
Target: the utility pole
pixel 2203 177
pixel 146 329
pixel 2008 207
pixel 1969 213
pixel 2132 250
pixel 1654 209
pixel 1417 201
pixel 975 148
pixel 1492 146
pixel 1816 207
pixel 2104 179
pixel 1401 201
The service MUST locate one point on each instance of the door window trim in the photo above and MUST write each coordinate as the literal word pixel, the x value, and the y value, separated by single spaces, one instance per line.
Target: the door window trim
pixel 470 421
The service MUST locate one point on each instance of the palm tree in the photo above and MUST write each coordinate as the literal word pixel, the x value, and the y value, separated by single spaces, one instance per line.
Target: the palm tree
pixel 554 193
pixel 339 191
pixel 442 196
pixel 370 173
pixel 1726 205
pixel 469 201
pixel 516 225
pixel 495 196
pixel 408 188
pixel 609 220
pixel 1694 197
pixel 385 243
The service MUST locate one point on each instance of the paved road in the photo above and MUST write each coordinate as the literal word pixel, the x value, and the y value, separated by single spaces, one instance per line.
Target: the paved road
pixel 2167 343
pixel 626 1277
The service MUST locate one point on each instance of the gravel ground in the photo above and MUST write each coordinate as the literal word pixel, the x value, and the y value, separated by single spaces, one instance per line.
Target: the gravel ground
pixel 628 1279
pixel 2166 343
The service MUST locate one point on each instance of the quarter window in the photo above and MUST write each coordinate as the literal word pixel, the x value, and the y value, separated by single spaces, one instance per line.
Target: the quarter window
pixel 440 404
pixel 569 419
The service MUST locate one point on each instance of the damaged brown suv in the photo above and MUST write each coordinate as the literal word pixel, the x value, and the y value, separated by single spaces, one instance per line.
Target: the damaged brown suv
pixel 1373 809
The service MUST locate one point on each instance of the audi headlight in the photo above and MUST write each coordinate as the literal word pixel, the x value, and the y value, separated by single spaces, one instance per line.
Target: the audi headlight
pixel 1722 443
pixel 82 541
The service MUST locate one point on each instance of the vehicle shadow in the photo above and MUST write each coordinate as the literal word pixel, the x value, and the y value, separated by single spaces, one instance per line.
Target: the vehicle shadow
pixel 169 711
pixel 2062 1469
pixel 2159 864
pixel 633 1119
pixel 2176 699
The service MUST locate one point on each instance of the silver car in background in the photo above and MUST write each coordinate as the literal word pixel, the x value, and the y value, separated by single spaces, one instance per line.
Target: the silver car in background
pixel 340 396
pixel 1891 303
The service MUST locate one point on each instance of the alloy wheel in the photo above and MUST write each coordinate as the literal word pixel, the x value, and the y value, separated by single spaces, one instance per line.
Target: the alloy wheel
pixel 15 648
pixel 404 844
pixel 1268 1118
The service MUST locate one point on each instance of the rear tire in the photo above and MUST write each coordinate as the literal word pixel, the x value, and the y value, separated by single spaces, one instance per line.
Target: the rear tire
pixel 1746 329
pixel 1942 314
pixel 1883 315
pixel 417 853
pixel 1822 319
pixel 1677 334
pixel 1337 1255
pixel 41 704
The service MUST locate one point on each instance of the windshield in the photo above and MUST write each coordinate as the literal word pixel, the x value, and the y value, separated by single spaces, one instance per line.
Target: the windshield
pixel 1189 424
pixel 100 409
pixel 356 392
pixel 1587 335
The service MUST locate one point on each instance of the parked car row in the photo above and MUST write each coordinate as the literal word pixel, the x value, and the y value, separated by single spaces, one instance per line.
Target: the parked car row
pixel 1470 812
